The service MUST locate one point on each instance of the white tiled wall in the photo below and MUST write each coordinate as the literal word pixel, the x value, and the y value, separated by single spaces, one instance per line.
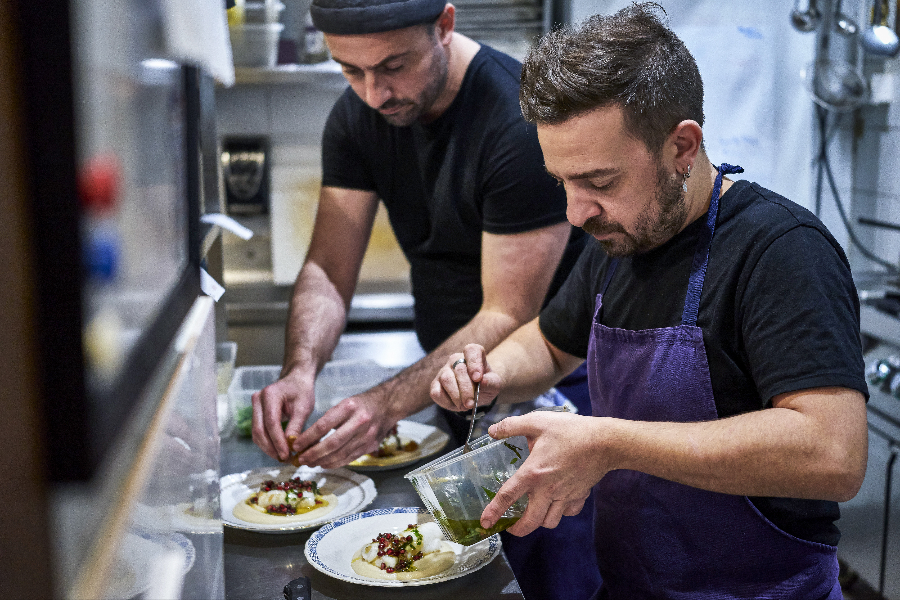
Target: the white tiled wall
pixel 876 168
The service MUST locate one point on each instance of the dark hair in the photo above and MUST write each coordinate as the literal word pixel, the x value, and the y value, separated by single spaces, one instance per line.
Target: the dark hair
pixel 631 59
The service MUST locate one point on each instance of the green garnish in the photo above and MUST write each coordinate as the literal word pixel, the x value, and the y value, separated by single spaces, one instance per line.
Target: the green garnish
pixel 514 449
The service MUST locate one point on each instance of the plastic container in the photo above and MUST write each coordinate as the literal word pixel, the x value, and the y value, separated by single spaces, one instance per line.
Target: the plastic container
pixel 339 379
pixel 255 45
pixel 456 487
pixel 262 12
pixel 226 353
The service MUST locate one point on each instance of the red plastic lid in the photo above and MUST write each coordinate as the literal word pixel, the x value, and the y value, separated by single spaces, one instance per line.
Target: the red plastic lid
pixel 99 183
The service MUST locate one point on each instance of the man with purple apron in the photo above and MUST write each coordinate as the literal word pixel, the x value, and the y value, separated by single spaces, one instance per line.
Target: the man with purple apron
pixel 720 326
pixel 692 553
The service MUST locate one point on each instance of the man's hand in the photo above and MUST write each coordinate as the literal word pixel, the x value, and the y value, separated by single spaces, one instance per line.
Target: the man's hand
pixel 288 397
pixel 454 386
pixel 558 474
pixel 359 423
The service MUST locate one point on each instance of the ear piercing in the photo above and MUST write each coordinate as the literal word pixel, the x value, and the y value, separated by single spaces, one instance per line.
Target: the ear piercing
pixel 685 178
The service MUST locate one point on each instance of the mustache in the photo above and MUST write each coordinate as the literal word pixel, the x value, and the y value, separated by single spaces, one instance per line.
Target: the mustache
pixel 597 226
pixel 392 103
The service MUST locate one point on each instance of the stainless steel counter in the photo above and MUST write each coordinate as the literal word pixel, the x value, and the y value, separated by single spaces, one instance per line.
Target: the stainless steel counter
pixel 257 566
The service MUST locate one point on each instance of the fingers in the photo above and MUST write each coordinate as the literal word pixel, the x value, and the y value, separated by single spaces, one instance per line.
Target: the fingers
pixel 266 430
pixel 574 507
pixel 476 361
pixel 332 419
pixel 452 388
pixel 554 514
pixel 343 434
pixel 530 425
pixel 509 492
pixel 295 426
pixel 509 427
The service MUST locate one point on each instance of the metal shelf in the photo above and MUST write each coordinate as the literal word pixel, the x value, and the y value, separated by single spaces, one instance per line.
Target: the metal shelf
pixel 327 73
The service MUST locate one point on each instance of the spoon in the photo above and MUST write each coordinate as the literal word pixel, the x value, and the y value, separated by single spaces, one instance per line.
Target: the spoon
pixel 466 447
pixel 806 20
pixel 880 39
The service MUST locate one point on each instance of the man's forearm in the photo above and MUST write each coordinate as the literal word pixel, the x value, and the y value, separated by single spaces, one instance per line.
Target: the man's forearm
pixel 528 364
pixel 815 448
pixel 316 320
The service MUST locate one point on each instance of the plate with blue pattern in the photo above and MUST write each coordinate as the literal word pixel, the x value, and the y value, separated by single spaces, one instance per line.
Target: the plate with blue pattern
pixel 331 548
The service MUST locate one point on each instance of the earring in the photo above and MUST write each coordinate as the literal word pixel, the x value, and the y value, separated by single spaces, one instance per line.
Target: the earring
pixel 685 178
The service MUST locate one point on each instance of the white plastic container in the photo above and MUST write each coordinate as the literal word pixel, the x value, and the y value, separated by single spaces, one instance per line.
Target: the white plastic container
pixel 262 12
pixel 339 379
pixel 255 45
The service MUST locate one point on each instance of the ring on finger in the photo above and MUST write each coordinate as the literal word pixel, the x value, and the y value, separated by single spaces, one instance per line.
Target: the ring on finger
pixel 460 361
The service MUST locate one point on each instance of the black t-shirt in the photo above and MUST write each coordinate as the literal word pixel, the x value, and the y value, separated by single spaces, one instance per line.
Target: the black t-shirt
pixel 477 168
pixel 779 312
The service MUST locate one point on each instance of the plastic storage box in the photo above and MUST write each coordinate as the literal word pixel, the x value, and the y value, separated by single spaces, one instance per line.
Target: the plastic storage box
pixel 456 487
pixel 255 45
pixel 338 380
pixel 262 12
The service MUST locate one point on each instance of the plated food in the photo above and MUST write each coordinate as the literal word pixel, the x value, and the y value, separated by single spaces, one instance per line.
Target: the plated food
pixel 337 549
pixel 418 551
pixel 405 444
pixel 394 444
pixel 288 501
pixel 311 496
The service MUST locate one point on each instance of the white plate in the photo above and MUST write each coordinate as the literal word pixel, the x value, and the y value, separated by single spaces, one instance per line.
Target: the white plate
pixel 183 517
pixel 140 551
pixel 332 547
pixel 354 492
pixel 430 439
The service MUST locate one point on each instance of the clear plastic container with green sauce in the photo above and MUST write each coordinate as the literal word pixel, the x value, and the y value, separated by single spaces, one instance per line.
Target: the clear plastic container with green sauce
pixel 456 487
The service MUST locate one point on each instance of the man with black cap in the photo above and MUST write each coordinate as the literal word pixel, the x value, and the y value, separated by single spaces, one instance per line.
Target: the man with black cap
pixel 431 126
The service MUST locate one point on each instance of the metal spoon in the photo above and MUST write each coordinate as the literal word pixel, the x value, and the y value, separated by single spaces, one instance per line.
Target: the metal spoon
pixel 880 39
pixel 466 447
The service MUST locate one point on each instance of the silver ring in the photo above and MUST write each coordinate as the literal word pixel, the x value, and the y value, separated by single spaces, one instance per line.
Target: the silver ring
pixel 461 361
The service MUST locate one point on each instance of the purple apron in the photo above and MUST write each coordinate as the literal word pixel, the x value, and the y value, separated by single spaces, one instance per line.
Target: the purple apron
pixel 659 539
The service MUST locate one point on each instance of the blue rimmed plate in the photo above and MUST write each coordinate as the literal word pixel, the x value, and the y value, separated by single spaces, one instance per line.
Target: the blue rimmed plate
pixel 331 548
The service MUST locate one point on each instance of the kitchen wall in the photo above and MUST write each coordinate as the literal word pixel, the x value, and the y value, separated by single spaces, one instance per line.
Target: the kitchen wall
pixel 872 136
pixel 290 108
pixel 760 114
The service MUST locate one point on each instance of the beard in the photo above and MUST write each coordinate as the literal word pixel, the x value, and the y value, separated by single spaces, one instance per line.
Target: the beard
pixel 414 108
pixel 653 227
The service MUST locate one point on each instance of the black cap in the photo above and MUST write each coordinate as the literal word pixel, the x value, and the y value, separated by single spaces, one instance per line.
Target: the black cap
pixel 354 17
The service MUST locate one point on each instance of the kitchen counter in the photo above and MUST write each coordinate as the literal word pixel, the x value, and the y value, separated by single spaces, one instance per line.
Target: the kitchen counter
pixel 257 565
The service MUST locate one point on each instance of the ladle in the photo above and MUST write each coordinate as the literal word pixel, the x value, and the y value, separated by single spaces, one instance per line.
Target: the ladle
pixel 806 20
pixel 879 39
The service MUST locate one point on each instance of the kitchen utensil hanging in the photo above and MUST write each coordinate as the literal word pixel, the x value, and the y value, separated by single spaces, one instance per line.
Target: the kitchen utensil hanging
pixel 836 84
pixel 831 80
pixel 805 20
pixel 879 39
pixel 843 23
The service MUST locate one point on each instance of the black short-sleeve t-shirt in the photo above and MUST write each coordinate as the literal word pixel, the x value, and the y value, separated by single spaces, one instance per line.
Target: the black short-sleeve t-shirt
pixel 779 312
pixel 477 168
